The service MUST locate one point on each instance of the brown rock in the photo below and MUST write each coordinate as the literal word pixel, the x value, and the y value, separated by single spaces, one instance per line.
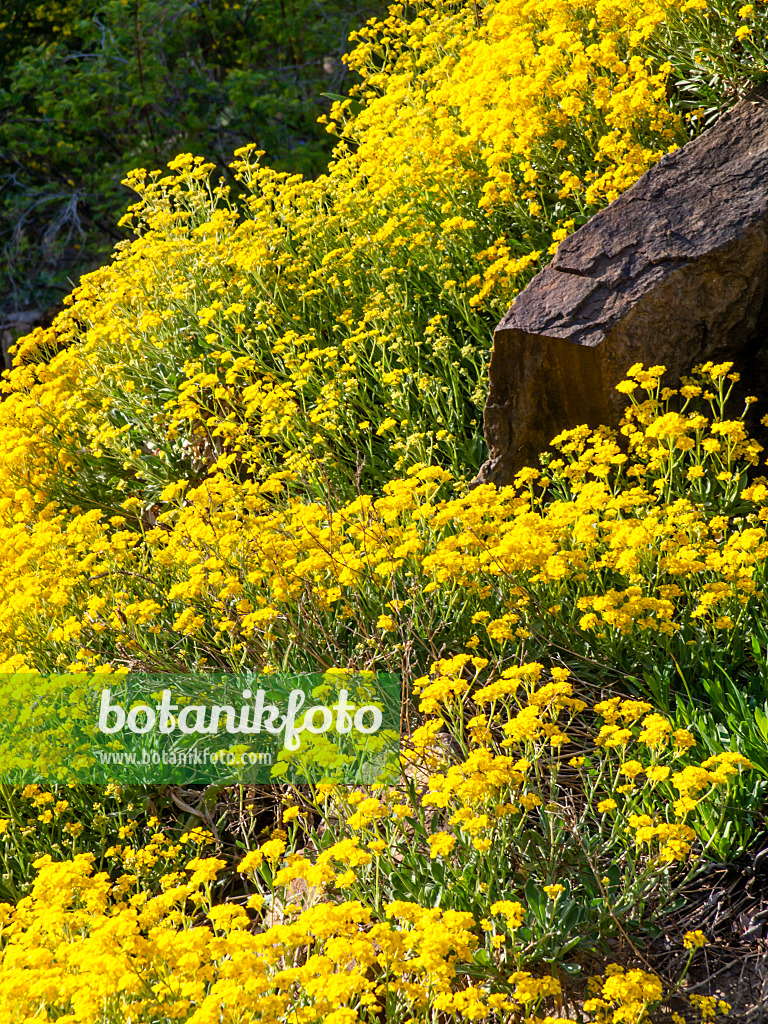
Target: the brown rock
pixel 674 271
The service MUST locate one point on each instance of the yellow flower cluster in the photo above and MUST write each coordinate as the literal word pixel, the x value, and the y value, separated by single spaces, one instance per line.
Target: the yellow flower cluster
pixel 625 995
pixel 85 944
pixel 80 947
pixel 488 789
pixel 297 330
pixel 246 442
pixel 604 536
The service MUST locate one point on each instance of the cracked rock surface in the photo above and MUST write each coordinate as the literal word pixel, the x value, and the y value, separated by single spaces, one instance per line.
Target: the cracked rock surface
pixel 674 271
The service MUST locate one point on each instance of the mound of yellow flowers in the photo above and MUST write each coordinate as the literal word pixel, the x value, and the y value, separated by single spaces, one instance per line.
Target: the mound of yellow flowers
pixel 352 943
pixel 254 375
pixel 618 548
pixel 246 443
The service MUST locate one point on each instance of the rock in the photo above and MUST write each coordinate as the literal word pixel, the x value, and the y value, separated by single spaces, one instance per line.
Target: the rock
pixel 673 272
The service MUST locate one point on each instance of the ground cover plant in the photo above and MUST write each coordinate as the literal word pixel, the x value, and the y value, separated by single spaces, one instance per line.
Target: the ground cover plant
pixel 248 443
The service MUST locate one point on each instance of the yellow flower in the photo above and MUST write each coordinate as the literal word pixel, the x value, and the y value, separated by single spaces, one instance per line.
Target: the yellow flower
pixel 631 769
pixel 694 940
pixel 683 739
pixel 272 849
pixel 441 844
pixel 204 869
pixel 553 891
pixel 513 912
pixel 252 860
